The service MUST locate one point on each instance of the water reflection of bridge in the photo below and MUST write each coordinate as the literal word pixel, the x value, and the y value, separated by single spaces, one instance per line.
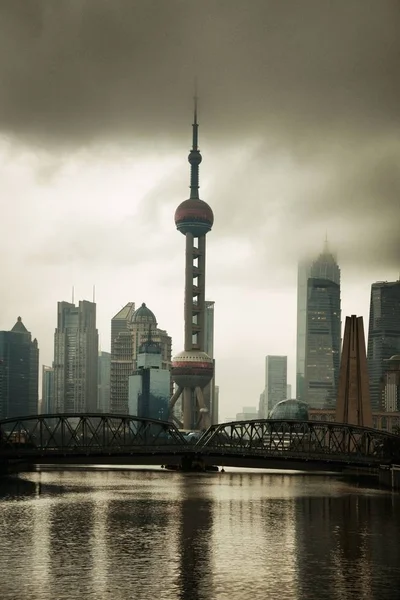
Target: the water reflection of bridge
pixel 94 438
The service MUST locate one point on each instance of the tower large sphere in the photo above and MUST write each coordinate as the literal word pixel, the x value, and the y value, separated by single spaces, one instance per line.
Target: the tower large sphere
pixel 192 368
pixel 194 216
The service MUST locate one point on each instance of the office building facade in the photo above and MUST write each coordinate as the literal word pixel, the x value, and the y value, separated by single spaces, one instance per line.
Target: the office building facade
pixel 383 335
pixel 47 403
pixel 19 372
pixel 323 343
pixel 76 344
pixel 391 385
pixel 129 329
pixel 121 358
pixel 150 384
pixel 104 377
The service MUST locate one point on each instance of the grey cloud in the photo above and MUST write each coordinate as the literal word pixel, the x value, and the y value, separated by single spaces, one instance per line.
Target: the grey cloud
pixel 82 71
pixel 310 85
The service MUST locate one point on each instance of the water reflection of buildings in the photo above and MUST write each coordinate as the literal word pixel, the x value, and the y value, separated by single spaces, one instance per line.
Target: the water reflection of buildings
pixel 254 536
pixel 195 540
pixel 341 541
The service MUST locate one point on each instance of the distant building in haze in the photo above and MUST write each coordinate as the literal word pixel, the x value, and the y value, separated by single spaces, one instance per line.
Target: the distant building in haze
pixel 103 388
pixel 47 403
pixel 129 329
pixel 383 335
pixel 288 391
pixel 248 413
pixel 318 330
pixel 150 384
pixel 76 344
pixel 19 372
pixel 275 382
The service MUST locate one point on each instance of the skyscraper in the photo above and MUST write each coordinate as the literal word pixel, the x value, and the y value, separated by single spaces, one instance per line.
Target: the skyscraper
pixel 323 341
pixel 103 385
pixel 383 335
pixel 47 390
pixel 193 369
pixel 129 329
pixel 121 358
pixel 19 372
pixel 275 382
pixel 325 268
pixel 76 343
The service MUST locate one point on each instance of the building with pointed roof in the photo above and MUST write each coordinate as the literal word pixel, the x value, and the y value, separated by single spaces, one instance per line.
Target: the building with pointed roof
pixel 354 402
pixel 19 372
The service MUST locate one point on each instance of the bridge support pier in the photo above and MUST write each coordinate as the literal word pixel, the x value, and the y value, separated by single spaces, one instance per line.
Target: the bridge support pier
pixel 192 463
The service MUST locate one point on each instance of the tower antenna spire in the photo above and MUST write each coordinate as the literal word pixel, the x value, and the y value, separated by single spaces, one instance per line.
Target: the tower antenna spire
pixel 194 156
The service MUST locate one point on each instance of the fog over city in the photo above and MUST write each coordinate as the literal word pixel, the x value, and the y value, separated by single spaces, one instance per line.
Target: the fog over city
pixel 299 133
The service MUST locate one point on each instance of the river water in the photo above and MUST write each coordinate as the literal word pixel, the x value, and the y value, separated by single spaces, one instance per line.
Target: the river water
pixel 122 535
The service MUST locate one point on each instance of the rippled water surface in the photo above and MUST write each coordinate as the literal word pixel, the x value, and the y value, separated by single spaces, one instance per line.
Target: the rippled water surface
pixel 69 535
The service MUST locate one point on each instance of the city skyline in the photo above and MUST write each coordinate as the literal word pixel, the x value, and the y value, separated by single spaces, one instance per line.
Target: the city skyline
pixel 92 178
pixel 225 405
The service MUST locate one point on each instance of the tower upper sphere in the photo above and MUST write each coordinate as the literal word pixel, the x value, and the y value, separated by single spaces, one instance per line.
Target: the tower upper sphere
pixel 194 215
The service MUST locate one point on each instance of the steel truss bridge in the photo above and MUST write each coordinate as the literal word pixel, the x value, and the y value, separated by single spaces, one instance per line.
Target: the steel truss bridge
pixel 123 439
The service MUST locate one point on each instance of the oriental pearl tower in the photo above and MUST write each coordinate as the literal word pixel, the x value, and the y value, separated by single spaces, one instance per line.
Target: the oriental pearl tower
pixel 193 369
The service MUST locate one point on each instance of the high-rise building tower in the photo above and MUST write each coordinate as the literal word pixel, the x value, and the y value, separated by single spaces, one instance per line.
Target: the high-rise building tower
pixel 318 352
pixel 76 348
pixel 103 382
pixel 193 369
pixel 19 372
pixel 275 383
pixel 47 390
pixel 121 358
pixel 383 335
pixel 129 329
pixel 323 341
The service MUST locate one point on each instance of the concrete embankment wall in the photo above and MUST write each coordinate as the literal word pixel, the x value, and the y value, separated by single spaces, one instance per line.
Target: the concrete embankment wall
pixel 389 476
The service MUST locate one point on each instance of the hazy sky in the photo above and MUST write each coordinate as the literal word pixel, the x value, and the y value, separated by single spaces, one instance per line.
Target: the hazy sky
pixel 299 131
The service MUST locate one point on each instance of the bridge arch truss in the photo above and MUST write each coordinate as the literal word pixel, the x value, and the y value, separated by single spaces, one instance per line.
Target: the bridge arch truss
pixel 303 440
pixel 66 434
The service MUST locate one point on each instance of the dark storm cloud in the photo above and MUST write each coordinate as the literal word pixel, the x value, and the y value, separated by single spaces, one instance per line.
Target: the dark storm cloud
pixel 77 71
pixel 315 80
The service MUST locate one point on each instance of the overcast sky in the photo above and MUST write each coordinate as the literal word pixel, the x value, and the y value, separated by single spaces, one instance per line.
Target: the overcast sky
pixel 299 131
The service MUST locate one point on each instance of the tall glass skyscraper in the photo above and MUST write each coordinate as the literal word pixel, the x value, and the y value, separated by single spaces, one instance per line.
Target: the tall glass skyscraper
pixel 318 330
pixel 383 335
pixel 76 348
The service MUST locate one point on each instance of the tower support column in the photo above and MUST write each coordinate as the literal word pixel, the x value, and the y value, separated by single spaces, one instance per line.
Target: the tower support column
pixel 188 291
